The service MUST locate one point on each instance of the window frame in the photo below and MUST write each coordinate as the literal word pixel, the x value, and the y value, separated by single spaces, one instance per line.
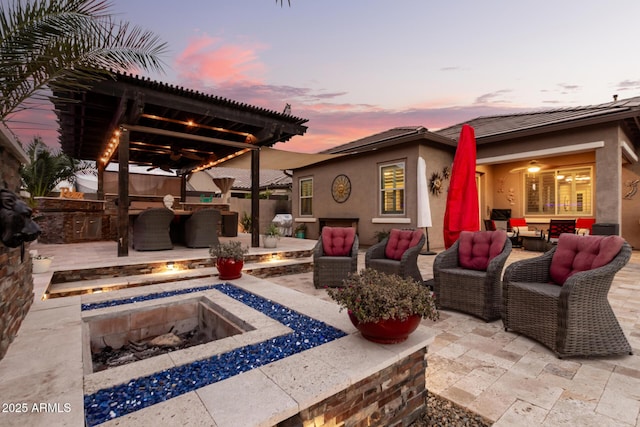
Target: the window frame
pixel 301 198
pixel 381 190
pixel 560 207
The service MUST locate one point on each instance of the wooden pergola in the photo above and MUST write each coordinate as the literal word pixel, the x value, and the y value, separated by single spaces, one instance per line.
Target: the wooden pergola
pixel 132 120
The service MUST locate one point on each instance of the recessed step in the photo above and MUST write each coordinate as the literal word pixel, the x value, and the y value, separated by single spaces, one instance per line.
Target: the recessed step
pixel 169 272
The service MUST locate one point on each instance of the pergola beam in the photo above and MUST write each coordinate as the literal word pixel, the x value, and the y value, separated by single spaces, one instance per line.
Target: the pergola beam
pixel 181 135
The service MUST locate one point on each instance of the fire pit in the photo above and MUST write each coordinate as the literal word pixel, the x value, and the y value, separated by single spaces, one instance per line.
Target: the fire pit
pixel 130 335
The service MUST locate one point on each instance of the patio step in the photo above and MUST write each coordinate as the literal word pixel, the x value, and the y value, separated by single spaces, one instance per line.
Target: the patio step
pixel 262 268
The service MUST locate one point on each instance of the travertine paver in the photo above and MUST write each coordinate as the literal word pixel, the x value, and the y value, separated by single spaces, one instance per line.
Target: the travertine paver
pixel 585 392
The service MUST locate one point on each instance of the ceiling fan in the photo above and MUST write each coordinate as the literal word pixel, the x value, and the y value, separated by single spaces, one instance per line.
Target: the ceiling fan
pixel 162 166
pixel 533 166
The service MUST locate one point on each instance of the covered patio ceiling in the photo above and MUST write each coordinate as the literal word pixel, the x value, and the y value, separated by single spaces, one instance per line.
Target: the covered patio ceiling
pixel 170 127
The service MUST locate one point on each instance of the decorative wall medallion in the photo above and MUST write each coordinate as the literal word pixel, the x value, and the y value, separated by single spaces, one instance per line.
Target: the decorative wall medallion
pixel 446 172
pixel 436 183
pixel 341 188
pixel 633 189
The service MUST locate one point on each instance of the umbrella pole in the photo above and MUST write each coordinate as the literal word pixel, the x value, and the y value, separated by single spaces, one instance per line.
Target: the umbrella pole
pixel 426 250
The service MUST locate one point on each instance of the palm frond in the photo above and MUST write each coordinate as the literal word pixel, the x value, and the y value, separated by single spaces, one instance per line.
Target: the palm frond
pixel 66 44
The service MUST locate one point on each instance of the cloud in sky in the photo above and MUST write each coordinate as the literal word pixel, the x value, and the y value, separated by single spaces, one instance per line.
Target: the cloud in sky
pixel 235 71
pixel 210 60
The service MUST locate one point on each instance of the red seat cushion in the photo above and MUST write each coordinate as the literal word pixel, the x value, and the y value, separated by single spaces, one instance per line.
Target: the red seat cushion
pixel 337 241
pixel 581 253
pixel 477 249
pixel 399 241
pixel 518 222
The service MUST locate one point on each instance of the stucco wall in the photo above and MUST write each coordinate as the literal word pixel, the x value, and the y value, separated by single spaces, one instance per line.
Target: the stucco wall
pixel 364 201
pixel 630 224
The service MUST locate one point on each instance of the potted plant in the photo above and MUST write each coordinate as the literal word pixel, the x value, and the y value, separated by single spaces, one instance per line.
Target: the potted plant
pixel 385 308
pixel 229 258
pixel 41 263
pixel 380 235
pixel 271 236
pixel 301 230
pixel 245 222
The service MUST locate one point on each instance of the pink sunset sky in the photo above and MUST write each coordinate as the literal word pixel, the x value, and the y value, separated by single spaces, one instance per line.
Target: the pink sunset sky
pixel 359 67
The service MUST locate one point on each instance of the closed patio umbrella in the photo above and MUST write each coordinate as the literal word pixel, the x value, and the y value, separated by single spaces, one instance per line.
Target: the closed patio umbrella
pixel 424 208
pixel 462 212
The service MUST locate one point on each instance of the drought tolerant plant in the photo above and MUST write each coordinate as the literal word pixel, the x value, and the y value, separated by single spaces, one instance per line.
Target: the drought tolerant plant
pixel 372 296
pixel 229 250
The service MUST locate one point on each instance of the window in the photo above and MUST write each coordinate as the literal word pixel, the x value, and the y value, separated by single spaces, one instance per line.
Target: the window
pixel 306 196
pixel 392 188
pixel 559 192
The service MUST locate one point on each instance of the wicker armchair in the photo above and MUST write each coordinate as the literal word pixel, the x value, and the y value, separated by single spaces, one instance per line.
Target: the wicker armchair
pixel 151 230
pixel 201 229
pixel 397 254
pixel 467 276
pixel 574 319
pixel 335 256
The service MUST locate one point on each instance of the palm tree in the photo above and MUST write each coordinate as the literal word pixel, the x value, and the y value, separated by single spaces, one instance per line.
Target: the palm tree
pixel 64 45
pixel 47 168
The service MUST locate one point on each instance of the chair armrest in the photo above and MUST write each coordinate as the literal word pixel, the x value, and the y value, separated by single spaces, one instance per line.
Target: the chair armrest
pixel 447 258
pixel 494 269
pixel 534 270
pixel 376 251
pixel 318 251
pixel 355 246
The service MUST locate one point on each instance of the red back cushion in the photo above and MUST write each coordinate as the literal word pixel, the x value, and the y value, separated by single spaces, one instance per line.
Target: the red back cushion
pixel 337 241
pixel 477 249
pixel 518 222
pixel 580 253
pixel 399 241
pixel 585 223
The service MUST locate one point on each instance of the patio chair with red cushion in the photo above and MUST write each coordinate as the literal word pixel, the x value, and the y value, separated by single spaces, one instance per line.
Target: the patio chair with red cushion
pixel 584 226
pixel 559 226
pixel 397 254
pixel 560 298
pixel 335 256
pixel 467 276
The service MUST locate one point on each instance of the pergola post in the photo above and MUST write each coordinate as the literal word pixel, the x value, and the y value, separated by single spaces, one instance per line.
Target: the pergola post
pixel 255 198
pixel 123 194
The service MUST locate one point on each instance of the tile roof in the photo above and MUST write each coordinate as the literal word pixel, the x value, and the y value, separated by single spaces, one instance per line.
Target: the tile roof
pixel 269 178
pixel 501 125
pixel 387 137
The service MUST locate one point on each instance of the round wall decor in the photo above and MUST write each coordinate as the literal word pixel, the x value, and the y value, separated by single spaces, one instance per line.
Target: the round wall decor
pixel 341 188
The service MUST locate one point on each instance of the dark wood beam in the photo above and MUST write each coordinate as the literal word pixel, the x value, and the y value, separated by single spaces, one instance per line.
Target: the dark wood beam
pixel 255 198
pixel 169 133
pixel 123 194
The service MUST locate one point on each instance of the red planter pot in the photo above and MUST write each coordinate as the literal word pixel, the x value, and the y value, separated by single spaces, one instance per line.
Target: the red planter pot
pixel 387 331
pixel 229 268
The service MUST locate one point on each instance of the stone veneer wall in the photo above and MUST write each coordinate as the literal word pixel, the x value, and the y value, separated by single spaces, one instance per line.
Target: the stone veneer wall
pixel 16 281
pixel 395 396
pixel 70 220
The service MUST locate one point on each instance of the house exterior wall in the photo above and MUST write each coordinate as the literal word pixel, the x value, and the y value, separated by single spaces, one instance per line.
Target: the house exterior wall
pixel 630 218
pixel 364 200
pixel 505 190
